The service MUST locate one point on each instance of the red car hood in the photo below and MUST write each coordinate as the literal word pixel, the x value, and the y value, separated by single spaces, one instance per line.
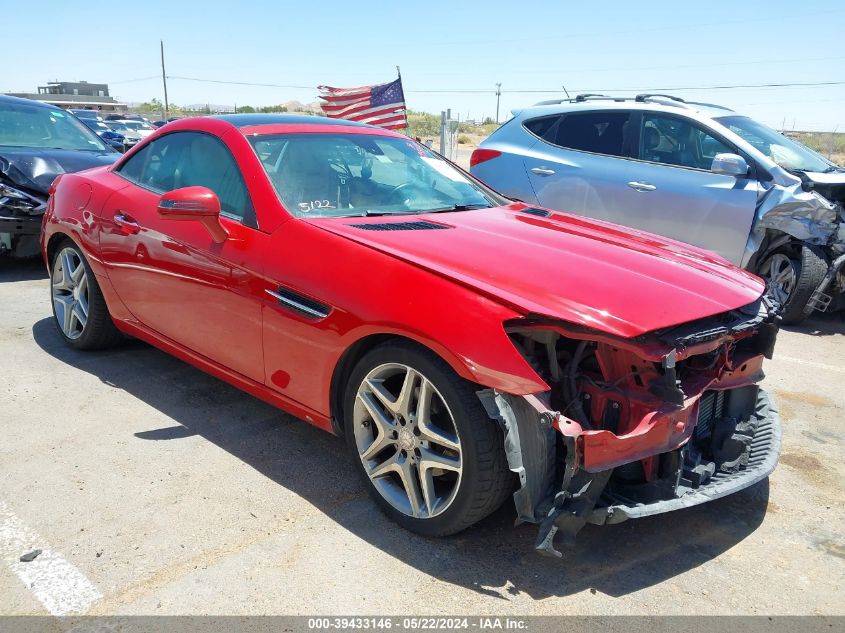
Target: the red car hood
pixel 600 275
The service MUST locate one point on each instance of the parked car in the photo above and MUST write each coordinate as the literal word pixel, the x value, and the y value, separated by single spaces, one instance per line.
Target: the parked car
pixel 130 137
pixel 110 136
pixel 82 113
pixel 37 143
pixel 163 122
pixel 695 172
pixel 142 129
pixel 352 277
pixel 126 117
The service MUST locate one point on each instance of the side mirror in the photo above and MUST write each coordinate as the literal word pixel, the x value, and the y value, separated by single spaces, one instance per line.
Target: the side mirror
pixel 194 203
pixel 729 165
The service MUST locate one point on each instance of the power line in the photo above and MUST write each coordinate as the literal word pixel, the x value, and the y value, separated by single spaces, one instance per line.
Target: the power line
pixel 579 69
pixel 129 81
pixel 802 84
pixel 567 71
pixel 722 87
pixel 239 83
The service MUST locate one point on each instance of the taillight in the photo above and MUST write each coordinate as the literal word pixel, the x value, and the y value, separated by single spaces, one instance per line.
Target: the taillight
pixel 481 155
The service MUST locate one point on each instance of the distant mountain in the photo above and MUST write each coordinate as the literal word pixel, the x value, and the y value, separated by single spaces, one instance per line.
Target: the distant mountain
pixel 298 106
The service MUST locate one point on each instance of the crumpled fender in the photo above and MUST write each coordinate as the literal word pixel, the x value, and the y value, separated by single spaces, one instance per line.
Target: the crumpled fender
pixel 805 215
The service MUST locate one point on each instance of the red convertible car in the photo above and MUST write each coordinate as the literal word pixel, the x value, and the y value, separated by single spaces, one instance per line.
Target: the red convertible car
pixel 469 347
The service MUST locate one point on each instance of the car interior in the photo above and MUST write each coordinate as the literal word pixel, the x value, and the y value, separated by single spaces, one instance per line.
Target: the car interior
pixel 672 141
pixel 186 159
pixel 328 175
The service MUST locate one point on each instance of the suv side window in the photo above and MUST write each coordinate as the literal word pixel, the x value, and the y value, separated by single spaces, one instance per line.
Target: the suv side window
pixel 185 159
pixel 597 132
pixel 674 141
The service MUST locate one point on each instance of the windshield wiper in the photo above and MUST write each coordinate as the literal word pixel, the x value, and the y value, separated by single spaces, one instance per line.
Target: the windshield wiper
pixel 459 207
pixel 454 207
pixel 377 212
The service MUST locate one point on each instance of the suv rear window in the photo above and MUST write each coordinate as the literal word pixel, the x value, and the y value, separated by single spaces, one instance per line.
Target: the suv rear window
pixel 540 126
pixel 597 132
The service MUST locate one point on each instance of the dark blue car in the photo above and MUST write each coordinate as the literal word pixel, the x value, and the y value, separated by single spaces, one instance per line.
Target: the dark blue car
pixel 115 139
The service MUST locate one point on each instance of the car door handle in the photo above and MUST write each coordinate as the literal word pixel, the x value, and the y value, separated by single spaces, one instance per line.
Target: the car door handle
pixel 641 186
pixel 126 223
pixel 542 171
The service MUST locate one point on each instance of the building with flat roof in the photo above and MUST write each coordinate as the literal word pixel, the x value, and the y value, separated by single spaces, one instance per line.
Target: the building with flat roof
pixel 75 94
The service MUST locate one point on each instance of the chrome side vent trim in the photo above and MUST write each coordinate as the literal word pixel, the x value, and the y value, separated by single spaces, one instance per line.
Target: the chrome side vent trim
pixel 299 303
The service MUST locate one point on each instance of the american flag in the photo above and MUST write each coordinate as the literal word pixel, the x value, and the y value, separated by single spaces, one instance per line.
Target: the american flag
pixel 382 105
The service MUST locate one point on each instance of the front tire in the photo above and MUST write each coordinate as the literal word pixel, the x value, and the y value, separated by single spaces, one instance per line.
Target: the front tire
pixel 428 453
pixel 79 309
pixel 791 278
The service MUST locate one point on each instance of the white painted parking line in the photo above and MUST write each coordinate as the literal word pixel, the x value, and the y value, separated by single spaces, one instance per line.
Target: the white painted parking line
pixel 57 584
pixel 811 363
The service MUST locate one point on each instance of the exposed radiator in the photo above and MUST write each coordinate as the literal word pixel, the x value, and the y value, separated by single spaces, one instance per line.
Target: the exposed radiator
pixel 710 409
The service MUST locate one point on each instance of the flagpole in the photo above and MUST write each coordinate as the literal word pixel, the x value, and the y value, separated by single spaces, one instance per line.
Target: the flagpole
pixel 407 124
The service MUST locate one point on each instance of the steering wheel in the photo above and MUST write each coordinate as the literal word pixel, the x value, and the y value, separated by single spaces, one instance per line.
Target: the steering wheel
pixel 399 188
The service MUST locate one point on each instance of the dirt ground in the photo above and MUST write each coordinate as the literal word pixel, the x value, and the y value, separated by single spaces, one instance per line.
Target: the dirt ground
pixel 153 488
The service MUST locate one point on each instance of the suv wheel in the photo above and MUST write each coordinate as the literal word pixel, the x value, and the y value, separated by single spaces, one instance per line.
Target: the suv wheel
pixel 791 278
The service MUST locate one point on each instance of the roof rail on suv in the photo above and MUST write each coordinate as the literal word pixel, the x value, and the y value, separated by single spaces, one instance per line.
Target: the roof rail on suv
pixel 589 95
pixel 671 100
pixel 581 98
pixel 655 96
pixel 664 99
pixel 648 97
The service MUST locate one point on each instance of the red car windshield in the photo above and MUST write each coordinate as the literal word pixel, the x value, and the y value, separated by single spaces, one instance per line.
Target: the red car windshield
pixel 331 175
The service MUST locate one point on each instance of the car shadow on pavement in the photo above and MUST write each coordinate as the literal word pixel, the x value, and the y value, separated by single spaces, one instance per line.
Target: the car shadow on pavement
pixel 21 269
pixel 492 557
pixel 821 324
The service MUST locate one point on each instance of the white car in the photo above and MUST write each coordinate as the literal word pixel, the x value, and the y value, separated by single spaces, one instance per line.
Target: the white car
pixel 141 128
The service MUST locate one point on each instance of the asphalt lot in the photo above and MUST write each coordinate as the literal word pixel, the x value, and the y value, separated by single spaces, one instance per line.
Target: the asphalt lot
pixel 154 488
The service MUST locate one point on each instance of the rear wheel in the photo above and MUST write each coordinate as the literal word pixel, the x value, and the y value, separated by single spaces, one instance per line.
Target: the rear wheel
pixel 791 277
pixel 428 453
pixel 79 310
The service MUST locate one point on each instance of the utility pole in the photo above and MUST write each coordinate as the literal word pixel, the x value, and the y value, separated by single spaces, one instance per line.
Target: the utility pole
pixel 164 81
pixel 498 94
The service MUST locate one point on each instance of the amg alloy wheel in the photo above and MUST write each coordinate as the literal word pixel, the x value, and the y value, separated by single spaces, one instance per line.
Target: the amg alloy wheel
pixel 79 309
pixel 407 440
pixel 69 283
pixel 425 447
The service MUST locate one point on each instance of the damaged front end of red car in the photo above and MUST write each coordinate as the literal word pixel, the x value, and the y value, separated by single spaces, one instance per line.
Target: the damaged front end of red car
pixel 635 427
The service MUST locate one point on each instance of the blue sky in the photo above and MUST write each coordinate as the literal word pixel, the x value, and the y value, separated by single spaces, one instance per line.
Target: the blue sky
pixel 441 46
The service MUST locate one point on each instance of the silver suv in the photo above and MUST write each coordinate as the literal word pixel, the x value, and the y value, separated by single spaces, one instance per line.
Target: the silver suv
pixel 699 173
